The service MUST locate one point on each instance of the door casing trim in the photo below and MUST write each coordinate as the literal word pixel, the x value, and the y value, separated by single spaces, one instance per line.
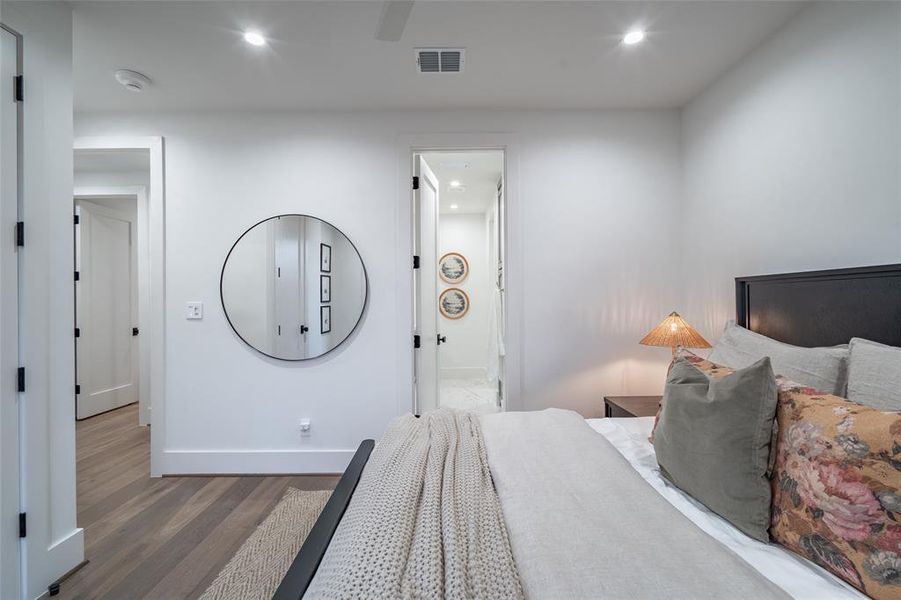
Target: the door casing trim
pixel 156 324
pixel 407 146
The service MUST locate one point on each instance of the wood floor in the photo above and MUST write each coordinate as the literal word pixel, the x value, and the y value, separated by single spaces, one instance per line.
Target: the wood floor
pixel 164 538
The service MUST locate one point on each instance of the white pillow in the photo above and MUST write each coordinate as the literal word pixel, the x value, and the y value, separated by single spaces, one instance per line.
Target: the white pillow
pixel 824 369
pixel 874 375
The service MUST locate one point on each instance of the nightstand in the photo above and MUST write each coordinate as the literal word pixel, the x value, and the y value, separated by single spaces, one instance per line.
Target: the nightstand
pixel 631 406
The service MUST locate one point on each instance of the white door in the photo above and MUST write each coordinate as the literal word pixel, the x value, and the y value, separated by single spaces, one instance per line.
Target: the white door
pixel 289 250
pixel 9 321
pixel 425 286
pixel 105 309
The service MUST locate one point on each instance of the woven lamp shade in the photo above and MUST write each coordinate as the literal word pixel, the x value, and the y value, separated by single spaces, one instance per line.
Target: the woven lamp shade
pixel 674 331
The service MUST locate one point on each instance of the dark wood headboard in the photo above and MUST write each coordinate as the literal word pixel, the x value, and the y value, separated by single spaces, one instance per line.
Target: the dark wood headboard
pixel 823 308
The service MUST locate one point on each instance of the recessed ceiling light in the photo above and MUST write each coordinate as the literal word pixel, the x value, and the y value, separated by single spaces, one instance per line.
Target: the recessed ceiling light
pixel 633 37
pixel 455 183
pixel 454 207
pixel 254 38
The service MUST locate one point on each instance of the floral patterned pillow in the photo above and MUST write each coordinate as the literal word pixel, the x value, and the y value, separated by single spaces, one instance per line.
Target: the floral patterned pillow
pixel 710 369
pixel 837 487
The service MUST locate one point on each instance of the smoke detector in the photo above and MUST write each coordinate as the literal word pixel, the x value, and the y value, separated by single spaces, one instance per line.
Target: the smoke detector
pixel 132 80
pixel 440 60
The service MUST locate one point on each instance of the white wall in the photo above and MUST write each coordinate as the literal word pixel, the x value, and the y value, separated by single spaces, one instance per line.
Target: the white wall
pixel 113 178
pixel 54 544
pixel 791 160
pixel 465 355
pixel 589 181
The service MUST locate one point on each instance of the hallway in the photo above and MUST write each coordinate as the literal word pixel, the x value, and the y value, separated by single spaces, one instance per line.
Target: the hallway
pixel 163 538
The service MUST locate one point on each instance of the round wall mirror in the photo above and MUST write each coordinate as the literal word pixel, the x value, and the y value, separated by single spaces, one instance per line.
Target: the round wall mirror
pixel 293 287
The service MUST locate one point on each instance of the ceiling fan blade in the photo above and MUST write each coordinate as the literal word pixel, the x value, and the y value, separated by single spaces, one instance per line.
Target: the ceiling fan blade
pixel 393 20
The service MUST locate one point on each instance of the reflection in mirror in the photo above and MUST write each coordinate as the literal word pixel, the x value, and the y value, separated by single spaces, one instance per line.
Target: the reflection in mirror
pixel 293 287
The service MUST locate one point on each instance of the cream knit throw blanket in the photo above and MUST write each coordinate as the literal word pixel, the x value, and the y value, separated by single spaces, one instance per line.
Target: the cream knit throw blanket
pixel 424 521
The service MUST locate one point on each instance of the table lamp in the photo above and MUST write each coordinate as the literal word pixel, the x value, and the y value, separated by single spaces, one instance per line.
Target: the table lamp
pixel 673 331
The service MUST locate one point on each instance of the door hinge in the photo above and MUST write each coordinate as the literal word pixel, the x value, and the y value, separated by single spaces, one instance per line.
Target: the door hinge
pixel 18 85
pixel 416 342
pixel 415 262
pixel 77 389
pixel 20 379
pixel 20 233
pixel 135 331
pixel 415 182
pixel 23 525
pixel 77 332
pixel 77 275
pixel 75 219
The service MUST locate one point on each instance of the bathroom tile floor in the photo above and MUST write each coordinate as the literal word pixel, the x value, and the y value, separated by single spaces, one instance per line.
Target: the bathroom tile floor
pixel 469 394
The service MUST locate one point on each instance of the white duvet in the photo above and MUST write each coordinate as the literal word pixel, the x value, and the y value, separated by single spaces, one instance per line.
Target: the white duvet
pixel 798 577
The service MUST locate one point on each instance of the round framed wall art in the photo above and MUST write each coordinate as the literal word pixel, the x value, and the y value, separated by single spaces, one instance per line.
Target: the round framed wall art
pixel 453 267
pixel 453 303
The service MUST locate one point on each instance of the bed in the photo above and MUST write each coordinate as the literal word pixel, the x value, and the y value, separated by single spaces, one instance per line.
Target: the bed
pixel 588 529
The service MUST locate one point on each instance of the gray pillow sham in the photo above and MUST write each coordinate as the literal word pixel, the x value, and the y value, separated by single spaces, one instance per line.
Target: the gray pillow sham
pixel 825 368
pixel 713 440
pixel 874 375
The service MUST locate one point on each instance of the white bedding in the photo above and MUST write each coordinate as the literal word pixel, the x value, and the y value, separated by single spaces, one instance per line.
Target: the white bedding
pixel 798 577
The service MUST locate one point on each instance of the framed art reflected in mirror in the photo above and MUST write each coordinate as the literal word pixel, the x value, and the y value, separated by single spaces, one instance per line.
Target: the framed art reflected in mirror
pixel 453 267
pixel 325 288
pixel 453 303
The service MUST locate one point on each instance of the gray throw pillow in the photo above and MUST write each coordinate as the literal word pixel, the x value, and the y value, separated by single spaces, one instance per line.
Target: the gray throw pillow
pixel 824 369
pixel 874 375
pixel 713 440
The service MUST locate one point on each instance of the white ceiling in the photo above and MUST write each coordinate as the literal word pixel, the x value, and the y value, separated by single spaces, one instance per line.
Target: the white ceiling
pixel 324 55
pixel 478 174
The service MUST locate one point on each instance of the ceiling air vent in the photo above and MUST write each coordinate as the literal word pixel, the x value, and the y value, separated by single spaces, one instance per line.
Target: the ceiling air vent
pixel 440 60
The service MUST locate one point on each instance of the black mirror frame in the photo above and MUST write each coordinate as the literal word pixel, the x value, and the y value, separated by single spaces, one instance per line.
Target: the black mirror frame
pixel 352 329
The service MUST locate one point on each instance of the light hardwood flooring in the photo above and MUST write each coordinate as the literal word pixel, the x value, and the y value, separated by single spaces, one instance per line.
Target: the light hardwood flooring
pixel 164 538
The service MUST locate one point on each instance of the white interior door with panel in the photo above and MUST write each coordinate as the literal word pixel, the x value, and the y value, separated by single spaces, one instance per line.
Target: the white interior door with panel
pixel 106 309
pixel 289 251
pixel 425 285
pixel 9 319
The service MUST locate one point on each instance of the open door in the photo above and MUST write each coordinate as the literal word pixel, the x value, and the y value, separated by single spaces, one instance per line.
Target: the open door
pixel 105 310
pixel 425 286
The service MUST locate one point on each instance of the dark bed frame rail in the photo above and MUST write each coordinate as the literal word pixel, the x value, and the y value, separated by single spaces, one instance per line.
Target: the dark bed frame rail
pixel 302 570
pixel 823 308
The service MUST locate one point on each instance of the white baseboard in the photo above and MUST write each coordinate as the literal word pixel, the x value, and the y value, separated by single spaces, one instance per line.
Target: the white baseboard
pixel 464 373
pixel 226 462
pixel 62 556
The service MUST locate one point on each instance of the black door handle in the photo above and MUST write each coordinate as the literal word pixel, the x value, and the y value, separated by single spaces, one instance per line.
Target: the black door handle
pixel 134 331
pixel 304 329
pixel 442 339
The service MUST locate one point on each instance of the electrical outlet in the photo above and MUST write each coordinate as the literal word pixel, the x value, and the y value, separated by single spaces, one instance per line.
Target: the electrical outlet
pixel 304 427
pixel 194 311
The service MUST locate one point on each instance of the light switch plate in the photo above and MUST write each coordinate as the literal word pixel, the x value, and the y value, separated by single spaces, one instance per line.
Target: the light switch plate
pixel 194 311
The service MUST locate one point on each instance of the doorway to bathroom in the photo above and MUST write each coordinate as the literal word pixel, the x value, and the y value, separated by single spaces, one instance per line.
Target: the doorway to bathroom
pixel 459 303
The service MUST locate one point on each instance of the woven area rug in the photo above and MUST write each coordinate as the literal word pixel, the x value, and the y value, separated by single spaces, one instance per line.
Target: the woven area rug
pixel 255 571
